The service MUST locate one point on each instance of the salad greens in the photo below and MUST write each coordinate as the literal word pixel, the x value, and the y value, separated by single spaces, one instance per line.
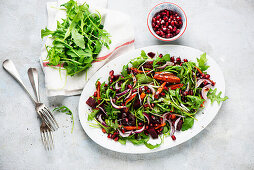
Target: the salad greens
pixel 77 40
pixel 152 97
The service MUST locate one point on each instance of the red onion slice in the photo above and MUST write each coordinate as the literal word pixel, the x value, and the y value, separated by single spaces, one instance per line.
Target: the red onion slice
pixel 172 128
pixel 126 134
pixel 115 106
pixel 147 117
pixel 205 91
pixel 123 93
pixel 152 89
pixel 200 81
pixel 134 79
pixel 117 87
pixel 103 110
pixel 101 121
pixel 164 116
pixel 128 95
pixel 140 130
pixel 165 65
pixel 177 121
pixel 149 104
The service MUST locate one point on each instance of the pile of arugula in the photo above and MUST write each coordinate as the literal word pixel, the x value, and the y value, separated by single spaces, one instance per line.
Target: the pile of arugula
pixel 77 40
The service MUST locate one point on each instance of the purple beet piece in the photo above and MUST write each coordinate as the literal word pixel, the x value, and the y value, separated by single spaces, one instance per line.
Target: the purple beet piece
pixel 179 125
pixel 151 54
pixel 91 102
pixel 153 133
pixel 148 64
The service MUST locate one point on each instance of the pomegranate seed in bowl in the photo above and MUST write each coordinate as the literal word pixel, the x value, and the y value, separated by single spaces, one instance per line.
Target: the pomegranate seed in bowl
pixel 167 21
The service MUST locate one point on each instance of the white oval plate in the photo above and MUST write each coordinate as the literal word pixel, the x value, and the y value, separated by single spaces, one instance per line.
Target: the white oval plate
pixel 204 117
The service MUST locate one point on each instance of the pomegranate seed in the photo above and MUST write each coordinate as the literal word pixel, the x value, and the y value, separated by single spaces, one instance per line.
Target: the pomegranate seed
pixel 148 91
pixel 207 76
pixel 116 139
pixel 164 29
pixel 205 83
pixel 123 130
pixel 109 135
pixel 174 29
pixel 166 23
pixel 129 86
pixel 146 105
pixel 160 55
pixel 95 94
pixel 173 137
pixel 203 75
pixel 152 104
pixel 158 32
pixel 162 22
pixel 173 23
pixel 135 90
pixel 146 88
pixel 111 81
pixel 166 88
pixel 140 90
pixel 178 59
pixel 106 85
pixel 185 60
pixel 103 130
pixel 111 72
pixel 177 31
pixel 158 17
pixel 185 93
pixel 163 94
pixel 167 13
pixel 156 96
pixel 172 59
pixel 154 19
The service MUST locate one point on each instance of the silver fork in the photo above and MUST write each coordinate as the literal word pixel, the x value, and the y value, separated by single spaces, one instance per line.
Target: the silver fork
pixel 46 136
pixel 46 132
pixel 40 108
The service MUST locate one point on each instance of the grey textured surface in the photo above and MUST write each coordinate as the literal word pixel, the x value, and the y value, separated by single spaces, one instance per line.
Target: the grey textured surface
pixel 224 29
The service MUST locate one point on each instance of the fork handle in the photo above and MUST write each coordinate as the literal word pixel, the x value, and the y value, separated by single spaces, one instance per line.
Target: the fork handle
pixel 11 69
pixel 34 80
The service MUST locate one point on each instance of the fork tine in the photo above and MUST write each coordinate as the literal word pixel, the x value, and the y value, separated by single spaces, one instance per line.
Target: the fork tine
pixel 51 143
pixel 43 138
pixel 52 117
pixel 47 122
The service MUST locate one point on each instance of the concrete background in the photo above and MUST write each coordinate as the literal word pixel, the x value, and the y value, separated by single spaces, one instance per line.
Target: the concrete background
pixel 223 29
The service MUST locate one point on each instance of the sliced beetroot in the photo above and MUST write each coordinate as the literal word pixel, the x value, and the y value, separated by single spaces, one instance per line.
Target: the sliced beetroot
pixel 148 64
pixel 136 104
pixel 179 125
pixel 151 54
pixel 91 102
pixel 153 133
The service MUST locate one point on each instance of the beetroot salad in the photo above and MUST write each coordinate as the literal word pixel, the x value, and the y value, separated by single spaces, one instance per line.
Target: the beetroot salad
pixel 154 96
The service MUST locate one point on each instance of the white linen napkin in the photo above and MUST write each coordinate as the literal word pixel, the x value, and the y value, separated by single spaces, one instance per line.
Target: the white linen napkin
pixel 122 40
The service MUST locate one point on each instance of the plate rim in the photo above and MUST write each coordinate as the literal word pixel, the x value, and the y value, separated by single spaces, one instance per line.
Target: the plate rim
pixel 139 49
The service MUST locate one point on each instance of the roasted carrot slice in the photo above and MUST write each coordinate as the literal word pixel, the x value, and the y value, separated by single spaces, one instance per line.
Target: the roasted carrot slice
pixel 171 78
pixel 175 86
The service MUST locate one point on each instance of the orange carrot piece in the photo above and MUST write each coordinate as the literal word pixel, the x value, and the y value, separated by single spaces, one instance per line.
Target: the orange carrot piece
pixel 142 96
pixel 167 77
pixel 98 91
pixel 132 127
pixel 161 125
pixel 129 99
pixel 175 86
pixel 160 88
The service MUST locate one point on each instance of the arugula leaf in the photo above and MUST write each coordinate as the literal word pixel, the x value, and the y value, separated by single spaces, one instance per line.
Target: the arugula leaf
pixel 143 54
pixel 45 32
pixel 188 123
pixel 202 62
pixel 142 78
pixel 124 70
pixel 212 95
pixel 92 114
pixel 166 57
pixel 78 38
pixel 66 110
